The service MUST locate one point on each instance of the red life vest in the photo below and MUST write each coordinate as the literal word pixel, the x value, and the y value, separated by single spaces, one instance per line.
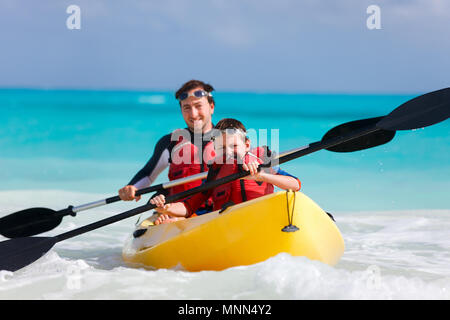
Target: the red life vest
pixel 186 160
pixel 240 190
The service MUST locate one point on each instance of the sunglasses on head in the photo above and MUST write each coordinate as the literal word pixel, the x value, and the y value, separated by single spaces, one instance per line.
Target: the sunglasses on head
pixel 217 133
pixel 197 94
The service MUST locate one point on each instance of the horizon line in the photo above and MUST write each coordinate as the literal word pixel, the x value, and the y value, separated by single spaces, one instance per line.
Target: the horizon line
pixel 226 90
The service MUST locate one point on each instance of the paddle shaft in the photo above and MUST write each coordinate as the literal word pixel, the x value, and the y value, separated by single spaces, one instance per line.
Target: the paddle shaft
pixel 142 191
pixel 319 145
pixel 149 206
pixel 287 156
pixel 139 192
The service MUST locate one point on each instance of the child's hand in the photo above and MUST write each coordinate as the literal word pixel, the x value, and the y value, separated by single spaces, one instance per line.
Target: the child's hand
pixel 162 219
pixel 254 173
pixel 160 202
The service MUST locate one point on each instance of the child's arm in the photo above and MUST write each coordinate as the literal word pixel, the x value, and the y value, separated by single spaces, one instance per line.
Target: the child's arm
pixel 176 209
pixel 183 208
pixel 281 181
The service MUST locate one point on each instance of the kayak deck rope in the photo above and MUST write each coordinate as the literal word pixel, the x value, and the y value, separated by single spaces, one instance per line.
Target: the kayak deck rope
pixel 290 213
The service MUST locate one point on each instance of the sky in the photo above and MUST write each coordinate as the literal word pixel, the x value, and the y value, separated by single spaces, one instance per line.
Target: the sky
pixel 309 46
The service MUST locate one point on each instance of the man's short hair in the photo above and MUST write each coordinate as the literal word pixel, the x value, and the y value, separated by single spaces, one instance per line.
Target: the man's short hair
pixel 191 84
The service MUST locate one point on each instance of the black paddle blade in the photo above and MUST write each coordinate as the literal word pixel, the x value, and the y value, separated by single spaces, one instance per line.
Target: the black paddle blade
pixel 18 253
pixel 370 140
pixel 422 111
pixel 29 222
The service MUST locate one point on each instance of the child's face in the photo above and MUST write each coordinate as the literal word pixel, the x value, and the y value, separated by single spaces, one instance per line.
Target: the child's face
pixel 232 146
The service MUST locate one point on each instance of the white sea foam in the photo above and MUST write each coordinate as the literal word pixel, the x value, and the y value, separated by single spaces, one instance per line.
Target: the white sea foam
pixel 389 255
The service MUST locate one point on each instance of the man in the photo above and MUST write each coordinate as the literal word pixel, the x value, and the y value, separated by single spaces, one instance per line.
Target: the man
pixel 185 151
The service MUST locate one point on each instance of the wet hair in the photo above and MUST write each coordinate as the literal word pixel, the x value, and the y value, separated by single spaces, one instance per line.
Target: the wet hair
pixel 228 125
pixel 192 84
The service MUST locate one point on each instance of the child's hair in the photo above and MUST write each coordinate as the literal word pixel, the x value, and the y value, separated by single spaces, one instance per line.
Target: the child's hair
pixel 229 123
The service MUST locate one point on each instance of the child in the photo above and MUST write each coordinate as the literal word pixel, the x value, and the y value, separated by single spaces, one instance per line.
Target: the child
pixel 232 153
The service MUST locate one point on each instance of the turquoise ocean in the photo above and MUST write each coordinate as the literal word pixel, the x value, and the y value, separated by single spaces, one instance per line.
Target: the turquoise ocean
pixel 391 203
pixel 96 141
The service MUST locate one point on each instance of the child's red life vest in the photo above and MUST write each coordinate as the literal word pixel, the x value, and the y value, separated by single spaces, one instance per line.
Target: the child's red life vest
pixel 240 190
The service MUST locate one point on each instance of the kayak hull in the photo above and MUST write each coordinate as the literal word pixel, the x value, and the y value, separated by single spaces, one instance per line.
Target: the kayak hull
pixel 243 234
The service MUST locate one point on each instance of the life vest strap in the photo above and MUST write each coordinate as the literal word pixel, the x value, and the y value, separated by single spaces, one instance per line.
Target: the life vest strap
pixel 226 206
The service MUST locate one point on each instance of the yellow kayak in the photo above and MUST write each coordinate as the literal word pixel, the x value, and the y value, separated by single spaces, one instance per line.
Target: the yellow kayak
pixel 242 234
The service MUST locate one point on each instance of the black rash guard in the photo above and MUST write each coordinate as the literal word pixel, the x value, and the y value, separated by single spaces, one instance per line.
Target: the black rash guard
pixel 160 159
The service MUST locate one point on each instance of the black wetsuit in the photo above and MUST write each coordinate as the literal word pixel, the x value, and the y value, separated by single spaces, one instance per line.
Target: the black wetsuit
pixel 161 158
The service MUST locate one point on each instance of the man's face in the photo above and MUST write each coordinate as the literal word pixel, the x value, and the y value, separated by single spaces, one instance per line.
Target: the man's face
pixel 197 112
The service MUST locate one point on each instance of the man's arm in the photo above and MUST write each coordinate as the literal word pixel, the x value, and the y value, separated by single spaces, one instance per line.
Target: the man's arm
pixel 145 177
pixel 157 163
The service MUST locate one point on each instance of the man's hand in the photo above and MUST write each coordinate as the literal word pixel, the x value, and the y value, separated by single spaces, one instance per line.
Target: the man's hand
pixel 128 193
